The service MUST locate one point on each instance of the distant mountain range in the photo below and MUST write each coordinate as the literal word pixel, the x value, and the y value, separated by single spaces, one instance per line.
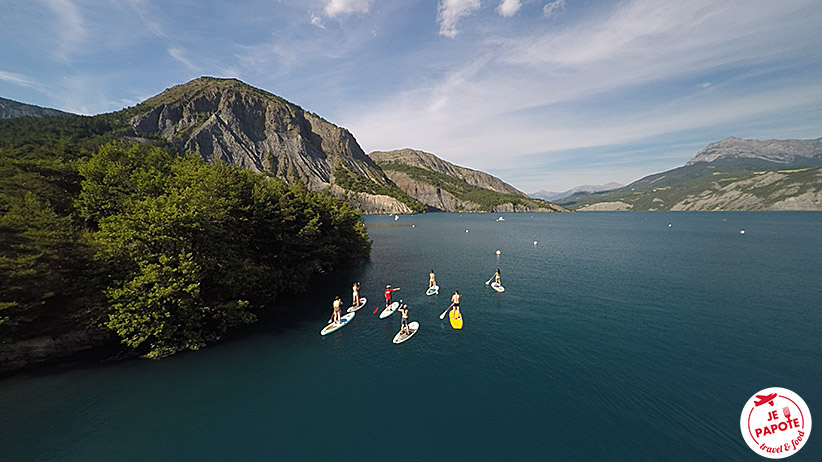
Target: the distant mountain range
pixel 11 109
pixel 555 196
pixel 732 174
pixel 443 186
pixel 230 121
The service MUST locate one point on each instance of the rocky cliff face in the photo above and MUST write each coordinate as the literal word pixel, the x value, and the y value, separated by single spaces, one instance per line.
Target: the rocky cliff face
pixel 443 186
pixel 778 151
pixel 11 109
pixel 431 162
pixel 731 174
pixel 227 120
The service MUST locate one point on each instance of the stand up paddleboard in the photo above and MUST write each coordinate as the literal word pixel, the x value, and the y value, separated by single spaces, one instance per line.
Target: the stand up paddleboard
pixel 497 287
pixel 402 336
pixel 390 310
pixel 433 290
pixel 331 327
pixel 352 308
pixel 456 322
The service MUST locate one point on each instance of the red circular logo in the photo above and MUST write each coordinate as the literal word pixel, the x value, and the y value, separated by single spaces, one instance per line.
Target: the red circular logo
pixel 775 423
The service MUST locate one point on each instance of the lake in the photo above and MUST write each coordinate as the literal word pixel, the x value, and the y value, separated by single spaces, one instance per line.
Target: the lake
pixel 620 336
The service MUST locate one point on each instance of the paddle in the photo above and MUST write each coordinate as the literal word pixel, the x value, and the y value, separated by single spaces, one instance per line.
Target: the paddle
pixel 442 316
pixel 489 281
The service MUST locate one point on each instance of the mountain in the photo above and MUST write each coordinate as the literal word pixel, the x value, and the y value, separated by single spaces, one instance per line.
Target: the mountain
pixel 732 174
pixel 555 196
pixel 11 109
pixel 228 120
pixel 443 186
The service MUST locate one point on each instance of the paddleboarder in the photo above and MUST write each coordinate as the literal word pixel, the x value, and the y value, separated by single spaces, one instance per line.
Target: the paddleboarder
pixel 455 303
pixel 355 294
pixel 404 324
pixel 388 292
pixel 335 316
pixel 431 280
pixel 495 277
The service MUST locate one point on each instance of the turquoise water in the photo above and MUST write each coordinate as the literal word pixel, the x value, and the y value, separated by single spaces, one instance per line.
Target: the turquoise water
pixel 618 338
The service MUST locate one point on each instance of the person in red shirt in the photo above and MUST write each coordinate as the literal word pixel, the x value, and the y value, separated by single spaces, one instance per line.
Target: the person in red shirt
pixel 388 292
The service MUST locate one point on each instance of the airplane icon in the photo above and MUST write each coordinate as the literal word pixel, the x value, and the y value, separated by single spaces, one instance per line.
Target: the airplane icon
pixel 765 399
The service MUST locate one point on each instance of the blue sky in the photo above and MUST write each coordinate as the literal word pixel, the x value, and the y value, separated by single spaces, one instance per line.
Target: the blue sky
pixel 544 94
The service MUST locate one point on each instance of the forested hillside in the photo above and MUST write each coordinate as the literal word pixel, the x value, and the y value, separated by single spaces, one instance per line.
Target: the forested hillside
pixel 163 250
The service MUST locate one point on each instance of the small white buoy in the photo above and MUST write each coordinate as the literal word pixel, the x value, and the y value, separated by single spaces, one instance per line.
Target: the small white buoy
pixel 413 226
pixel 741 231
pixel 466 230
pixel 669 225
pixel 535 242
pixel 498 252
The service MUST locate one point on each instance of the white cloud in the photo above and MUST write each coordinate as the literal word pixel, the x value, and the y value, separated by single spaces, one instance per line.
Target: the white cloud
pixel 568 88
pixel 17 79
pixel 335 8
pixel 70 30
pixel 449 12
pixel 179 55
pixel 553 8
pixel 508 8
pixel 704 85
pixel 317 21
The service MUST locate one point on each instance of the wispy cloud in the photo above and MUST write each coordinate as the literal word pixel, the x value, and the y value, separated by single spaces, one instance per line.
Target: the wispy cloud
pixel 704 85
pixel 508 8
pixel 18 79
pixel 70 30
pixel 141 7
pixel 334 8
pixel 179 55
pixel 565 88
pixel 449 12
pixel 553 8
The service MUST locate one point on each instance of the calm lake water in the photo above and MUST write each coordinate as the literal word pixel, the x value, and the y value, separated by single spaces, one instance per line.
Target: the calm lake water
pixel 618 337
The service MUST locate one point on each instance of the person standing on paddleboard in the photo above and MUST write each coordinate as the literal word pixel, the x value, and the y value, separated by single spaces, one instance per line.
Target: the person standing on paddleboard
pixel 335 316
pixel 455 302
pixel 388 292
pixel 404 324
pixel 355 295
pixel 431 280
pixel 495 277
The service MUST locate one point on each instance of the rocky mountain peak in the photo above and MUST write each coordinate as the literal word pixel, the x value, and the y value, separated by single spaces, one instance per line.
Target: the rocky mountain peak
pixel 778 151
pixel 230 121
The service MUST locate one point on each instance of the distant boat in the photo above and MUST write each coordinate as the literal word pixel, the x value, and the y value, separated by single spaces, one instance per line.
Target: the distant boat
pixel 500 219
pixel 396 217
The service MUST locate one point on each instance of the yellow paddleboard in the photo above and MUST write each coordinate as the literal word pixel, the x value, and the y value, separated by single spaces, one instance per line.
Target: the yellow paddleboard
pixel 456 321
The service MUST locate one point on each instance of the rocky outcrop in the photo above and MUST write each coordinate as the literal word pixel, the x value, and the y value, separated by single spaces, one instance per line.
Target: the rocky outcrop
pixel 371 203
pixel 729 175
pixel 10 109
pixel 773 191
pixel 429 161
pixel 606 207
pixel 443 186
pixel 805 152
pixel 229 121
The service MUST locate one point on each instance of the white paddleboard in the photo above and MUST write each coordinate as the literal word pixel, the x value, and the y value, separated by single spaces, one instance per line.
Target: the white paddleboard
pixel 390 310
pixel 352 308
pixel 433 290
pixel 497 287
pixel 331 327
pixel 402 336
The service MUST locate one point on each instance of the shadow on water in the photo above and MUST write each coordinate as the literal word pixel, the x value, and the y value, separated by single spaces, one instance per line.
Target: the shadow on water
pixel 288 312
